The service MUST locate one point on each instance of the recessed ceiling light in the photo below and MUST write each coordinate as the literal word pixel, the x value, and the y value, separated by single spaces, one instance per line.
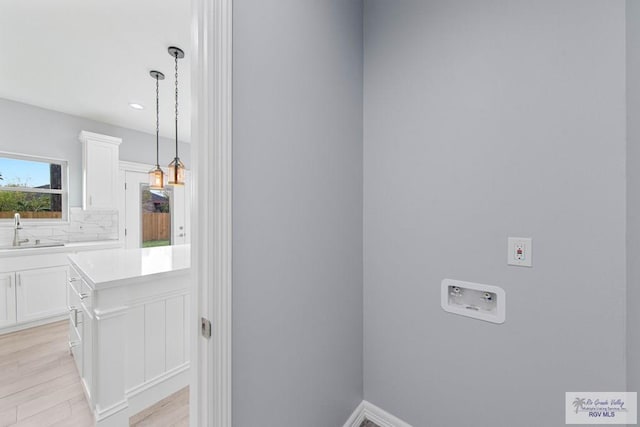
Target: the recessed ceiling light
pixel 136 106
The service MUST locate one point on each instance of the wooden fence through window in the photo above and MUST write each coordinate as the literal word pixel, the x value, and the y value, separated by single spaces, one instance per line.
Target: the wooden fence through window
pixel 156 226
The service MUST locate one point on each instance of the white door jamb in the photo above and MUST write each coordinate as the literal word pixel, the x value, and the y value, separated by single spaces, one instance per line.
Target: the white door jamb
pixel 211 211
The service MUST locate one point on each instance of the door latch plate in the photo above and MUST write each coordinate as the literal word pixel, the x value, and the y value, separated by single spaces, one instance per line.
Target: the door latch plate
pixel 205 327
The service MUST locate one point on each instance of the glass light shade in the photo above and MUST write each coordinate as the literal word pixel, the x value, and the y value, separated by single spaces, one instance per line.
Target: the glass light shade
pixel 176 172
pixel 156 179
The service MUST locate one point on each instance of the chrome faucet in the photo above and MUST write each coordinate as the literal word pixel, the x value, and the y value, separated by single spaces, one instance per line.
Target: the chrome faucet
pixel 16 227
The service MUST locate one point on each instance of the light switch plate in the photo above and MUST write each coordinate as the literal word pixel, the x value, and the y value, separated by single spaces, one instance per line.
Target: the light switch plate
pixel 519 251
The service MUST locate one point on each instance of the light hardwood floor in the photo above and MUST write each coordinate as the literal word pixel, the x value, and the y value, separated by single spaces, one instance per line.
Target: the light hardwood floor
pixel 40 386
pixel 172 411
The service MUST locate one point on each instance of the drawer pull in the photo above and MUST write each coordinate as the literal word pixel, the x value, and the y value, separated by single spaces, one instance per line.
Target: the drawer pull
pixel 83 295
pixel 74 310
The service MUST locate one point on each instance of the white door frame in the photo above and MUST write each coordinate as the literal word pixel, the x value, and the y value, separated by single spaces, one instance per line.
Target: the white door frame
pixel 211 74
pixel 127 166
pixel 123 167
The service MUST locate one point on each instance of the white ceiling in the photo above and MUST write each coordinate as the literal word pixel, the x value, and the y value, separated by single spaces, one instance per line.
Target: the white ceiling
pixel 92 58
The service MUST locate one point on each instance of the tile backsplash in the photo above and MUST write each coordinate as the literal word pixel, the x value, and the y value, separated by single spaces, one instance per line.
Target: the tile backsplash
pixel 83 226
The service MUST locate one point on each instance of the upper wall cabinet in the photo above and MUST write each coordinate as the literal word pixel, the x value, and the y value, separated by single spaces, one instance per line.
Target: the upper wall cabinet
pixel 100 157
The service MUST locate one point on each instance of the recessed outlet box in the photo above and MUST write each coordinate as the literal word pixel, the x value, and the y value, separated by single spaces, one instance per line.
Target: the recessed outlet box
pixel 519 251
pixel 475 300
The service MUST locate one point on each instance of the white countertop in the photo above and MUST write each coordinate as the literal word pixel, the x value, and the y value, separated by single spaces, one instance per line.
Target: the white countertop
pixel 67 247
pixel 115 267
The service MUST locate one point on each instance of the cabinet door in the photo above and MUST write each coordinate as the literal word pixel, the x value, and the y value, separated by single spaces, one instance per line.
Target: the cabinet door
pixel 7 299
pixel 41 293
pixel 101 175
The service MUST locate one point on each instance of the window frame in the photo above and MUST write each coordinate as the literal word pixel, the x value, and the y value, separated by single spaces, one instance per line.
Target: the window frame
pixel 64 191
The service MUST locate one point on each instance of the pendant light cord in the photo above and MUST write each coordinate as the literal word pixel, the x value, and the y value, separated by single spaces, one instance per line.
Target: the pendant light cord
pixel 157 122
pixel 177 158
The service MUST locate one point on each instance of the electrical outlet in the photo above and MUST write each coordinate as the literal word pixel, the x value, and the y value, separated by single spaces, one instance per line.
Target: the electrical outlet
pixel 519 251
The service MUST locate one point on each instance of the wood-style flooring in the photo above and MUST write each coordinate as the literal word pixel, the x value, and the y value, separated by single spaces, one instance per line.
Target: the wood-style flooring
pixel 40 386
pixel 172 411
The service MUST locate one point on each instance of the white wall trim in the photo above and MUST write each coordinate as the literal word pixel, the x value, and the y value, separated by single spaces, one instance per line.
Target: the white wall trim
pixel 110 313
pixel 369 411
pixel 101 414
pixel 211 86
pixel 142 387
pixel 159 297
pixel 134 166
pixel 357 417
pixel 157 389
pixel 86 136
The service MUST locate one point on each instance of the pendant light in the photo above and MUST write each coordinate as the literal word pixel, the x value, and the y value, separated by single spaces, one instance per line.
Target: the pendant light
pixel 176 167
pixel 156 176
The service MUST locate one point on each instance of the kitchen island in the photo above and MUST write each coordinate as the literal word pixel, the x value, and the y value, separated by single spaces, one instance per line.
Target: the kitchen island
pixel 129 311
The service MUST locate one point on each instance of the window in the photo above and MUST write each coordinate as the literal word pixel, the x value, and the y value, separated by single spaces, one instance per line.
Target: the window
pixel 35 187
pixel 156 216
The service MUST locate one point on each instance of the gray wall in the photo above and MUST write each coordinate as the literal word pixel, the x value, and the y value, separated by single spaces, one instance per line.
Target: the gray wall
pixel 483 120
pixel 39 132
pixel 297 212
pixel 633 195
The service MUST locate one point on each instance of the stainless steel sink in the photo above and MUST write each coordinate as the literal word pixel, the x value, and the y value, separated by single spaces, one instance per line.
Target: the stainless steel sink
pixel 32 245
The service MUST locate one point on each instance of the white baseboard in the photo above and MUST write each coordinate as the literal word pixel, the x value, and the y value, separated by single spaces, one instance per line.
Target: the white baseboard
pixel 21 326
pixel 357 417
pixel 146 394
pixel 369 411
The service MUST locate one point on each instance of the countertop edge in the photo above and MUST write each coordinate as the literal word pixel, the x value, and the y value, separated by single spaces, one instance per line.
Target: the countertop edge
pixel 68 247
pixel 132 280
pixel 98 285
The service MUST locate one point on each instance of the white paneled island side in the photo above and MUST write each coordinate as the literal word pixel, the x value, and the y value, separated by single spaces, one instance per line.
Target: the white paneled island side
pixel 129 311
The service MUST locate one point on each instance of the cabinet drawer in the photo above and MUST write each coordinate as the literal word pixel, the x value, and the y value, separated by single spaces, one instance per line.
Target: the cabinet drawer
pixel 78 291
pixel 73 274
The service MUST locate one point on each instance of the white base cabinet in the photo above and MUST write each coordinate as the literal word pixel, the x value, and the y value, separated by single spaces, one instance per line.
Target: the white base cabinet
pixel 41 293
pixel 31 295
pixel 7 299
pixel 33 284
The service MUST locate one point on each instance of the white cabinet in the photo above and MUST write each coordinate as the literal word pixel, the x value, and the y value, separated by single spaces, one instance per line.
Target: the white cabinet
pixel 100 157
pixel 76 347
pixel 7 299
pixel 80 298
pixel 41 293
